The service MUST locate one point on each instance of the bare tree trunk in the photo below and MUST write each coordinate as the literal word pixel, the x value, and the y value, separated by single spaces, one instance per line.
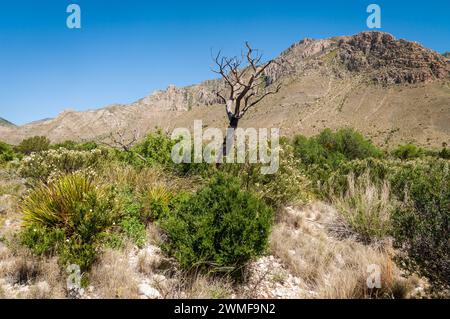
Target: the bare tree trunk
pixel 227 141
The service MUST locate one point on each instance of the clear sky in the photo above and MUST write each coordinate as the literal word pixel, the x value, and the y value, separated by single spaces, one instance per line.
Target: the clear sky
pixel 127 49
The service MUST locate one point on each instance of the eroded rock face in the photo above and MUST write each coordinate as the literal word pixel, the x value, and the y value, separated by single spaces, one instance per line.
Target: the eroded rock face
pixel 391 61
pixel 295 58
pixel 184 98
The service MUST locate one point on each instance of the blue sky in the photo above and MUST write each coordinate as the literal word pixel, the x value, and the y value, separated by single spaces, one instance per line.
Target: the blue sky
pixel 127 49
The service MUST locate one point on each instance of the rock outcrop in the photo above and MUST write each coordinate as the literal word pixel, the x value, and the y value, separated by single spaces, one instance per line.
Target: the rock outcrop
pixel 391 61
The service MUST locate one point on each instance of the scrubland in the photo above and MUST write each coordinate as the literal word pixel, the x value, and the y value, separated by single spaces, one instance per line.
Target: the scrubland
pixel 81 220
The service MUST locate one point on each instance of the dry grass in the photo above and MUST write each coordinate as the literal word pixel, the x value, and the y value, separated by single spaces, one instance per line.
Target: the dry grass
pixel 112 277
pixel 144 179
pixel 196 286
pixel 366 207
pixel 42 276
pixel 331 267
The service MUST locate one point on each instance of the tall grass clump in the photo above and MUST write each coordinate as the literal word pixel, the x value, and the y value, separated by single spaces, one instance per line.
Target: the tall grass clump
pixel 366 207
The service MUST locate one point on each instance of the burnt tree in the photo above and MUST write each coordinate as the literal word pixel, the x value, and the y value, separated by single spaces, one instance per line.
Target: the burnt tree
pixel 245 86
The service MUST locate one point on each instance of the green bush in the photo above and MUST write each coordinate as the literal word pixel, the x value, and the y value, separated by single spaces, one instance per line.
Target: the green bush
pixel 68 217
pixel 349 143
pixel 220 226
pixel 323 154
pixel 74 146
pixel 408 151
pixel 33 144
pixel 288 185
pixel 6 153
pixel 156 148
pixel 444 153
pixel 421 224
pixel 336 181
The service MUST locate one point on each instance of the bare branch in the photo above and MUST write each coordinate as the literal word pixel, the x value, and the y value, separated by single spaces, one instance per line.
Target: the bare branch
pixel 259 99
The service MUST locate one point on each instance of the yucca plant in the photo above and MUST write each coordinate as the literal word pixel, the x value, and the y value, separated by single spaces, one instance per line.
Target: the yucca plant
pixel 156 203
pixel 68 217
pixel 52 205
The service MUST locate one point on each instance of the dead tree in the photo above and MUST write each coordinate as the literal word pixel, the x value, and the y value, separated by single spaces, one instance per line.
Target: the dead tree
pixel 119 139
pixel 246 86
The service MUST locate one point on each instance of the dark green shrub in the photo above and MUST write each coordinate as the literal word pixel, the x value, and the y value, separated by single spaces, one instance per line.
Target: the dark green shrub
pixel 323 154
pixel 421 224
pixel 348 142
pixel 408 151
pixel 42 240
pixel 156 148
pixel 444 153
pixel 68 145
pixel 6 153
pixel 219 226
pixel 33 144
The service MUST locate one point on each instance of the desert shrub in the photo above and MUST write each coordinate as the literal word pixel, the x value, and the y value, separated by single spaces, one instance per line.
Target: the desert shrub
pixel 407 151
pixel 6 152
pixel 33 144
pixel 68 216
pixel 74 146
pixel 156 148
pixel 366 207
pixel 219 226
pixel 134 229
pixel 421 224
pixel 131 225
pixel 288 185
pixel 321 155
pixel 444 153
pixel 42 240
pixel 336 183
pixel 348 142
pixel 68 145
pixel 47 165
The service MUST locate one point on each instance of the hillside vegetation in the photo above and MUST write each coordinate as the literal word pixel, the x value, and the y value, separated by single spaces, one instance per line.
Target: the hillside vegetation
pixel 138 225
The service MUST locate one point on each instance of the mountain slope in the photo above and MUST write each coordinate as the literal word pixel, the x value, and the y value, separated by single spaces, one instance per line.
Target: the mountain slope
pixel 4 122
pixel 394 91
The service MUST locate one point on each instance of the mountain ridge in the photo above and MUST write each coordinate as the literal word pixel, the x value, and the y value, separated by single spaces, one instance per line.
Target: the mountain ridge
pixel 323 80
pixel 4 122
